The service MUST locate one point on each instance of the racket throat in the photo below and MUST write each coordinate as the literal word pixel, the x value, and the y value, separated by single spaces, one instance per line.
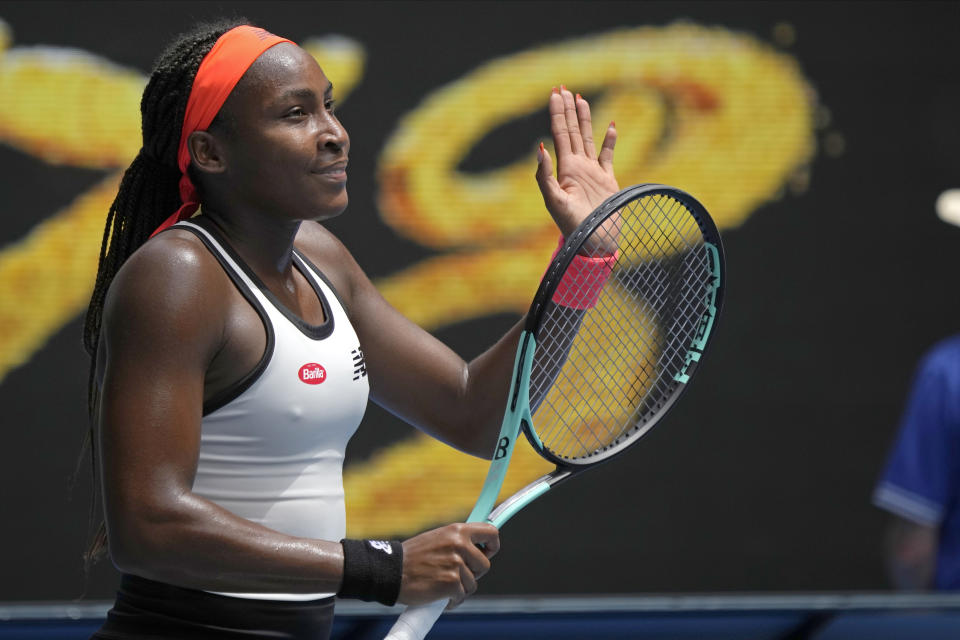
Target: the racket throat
pixel 525 496
pixel 517 411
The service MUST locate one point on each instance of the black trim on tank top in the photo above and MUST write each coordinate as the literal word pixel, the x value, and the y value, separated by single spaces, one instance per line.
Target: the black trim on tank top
pixel 312 331
pixel 233 391
pixel 320 274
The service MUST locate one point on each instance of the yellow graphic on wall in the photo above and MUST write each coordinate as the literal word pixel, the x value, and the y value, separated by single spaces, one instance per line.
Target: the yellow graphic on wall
pixel 712 111
pixel 715 112
pixel 68 107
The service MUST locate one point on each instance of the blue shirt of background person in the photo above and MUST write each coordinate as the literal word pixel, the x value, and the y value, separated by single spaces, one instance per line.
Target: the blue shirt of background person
pixel 921 483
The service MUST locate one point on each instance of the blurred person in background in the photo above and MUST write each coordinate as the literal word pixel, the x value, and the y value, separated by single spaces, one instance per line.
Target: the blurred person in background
pixel 920 485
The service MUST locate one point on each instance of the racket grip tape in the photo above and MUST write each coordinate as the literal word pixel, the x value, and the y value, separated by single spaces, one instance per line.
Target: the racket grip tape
pixel 415 623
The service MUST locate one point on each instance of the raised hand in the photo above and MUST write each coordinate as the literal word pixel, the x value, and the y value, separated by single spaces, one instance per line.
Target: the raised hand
pixel 584 179
pixel 447 562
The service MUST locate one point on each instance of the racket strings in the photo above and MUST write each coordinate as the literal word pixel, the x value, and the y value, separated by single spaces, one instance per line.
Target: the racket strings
pixel 601 373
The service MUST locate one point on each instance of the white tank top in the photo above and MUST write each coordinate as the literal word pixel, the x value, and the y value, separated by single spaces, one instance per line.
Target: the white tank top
pixel 272 446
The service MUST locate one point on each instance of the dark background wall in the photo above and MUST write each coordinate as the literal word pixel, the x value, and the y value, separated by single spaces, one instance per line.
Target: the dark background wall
pixel 761 478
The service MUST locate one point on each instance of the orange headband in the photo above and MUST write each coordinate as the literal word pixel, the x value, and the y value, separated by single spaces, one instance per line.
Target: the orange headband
pixel 219 72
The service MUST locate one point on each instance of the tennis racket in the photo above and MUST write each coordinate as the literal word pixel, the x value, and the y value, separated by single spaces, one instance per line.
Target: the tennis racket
pixel 619 324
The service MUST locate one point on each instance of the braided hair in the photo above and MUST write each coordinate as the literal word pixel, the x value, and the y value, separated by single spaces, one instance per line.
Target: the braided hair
pixel 149 193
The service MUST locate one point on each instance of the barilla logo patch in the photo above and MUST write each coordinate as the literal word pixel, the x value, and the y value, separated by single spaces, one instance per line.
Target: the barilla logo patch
pixel 312 373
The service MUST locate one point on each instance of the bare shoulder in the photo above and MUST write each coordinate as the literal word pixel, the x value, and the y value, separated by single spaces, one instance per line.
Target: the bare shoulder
pixel 171 289
pixel 332 257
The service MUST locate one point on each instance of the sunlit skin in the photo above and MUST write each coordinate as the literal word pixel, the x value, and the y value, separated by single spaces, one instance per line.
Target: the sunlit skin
pixel 273 165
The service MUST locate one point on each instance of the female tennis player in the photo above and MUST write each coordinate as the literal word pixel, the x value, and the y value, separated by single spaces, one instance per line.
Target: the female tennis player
pixel 235 343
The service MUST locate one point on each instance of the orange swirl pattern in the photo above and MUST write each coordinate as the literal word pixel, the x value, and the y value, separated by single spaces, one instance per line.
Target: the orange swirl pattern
pixel 713 111
pixel 718 113
pixel 69 107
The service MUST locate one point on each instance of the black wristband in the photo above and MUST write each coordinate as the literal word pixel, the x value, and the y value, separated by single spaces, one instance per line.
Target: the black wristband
pixel 372 570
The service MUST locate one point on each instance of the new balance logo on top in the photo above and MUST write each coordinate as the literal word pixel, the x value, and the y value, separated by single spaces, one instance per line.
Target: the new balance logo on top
pixel 382 545
pixel 359 364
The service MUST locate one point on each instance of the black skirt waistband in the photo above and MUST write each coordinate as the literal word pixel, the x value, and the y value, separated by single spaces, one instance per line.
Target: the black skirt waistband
pixel 148 610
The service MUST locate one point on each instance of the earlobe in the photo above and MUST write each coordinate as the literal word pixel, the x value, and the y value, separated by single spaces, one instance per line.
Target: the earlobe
pixel 206 153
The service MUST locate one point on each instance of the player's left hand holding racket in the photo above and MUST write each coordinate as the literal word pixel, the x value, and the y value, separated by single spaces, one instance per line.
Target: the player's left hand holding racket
pixel 619 323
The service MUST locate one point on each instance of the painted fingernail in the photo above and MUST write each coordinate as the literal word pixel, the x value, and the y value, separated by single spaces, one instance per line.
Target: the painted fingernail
pixel 579 97
pixel 541 152
pixel 613 124
pixel 563 87
pixel 555 90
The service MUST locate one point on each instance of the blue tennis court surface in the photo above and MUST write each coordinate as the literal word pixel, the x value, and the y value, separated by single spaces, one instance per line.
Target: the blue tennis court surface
pixel 763 617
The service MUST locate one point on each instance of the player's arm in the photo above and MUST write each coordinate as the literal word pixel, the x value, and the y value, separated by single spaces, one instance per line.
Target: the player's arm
pixel 910 553
pixel 414 375
pixel 162 326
